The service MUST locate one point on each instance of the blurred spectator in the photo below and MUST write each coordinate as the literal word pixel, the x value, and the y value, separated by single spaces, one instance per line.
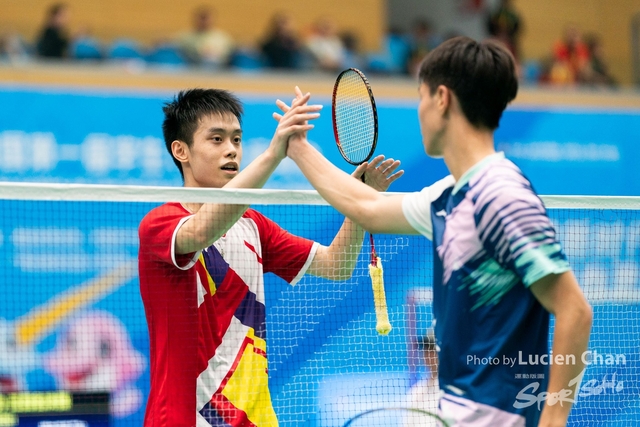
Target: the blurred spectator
pixel 325 46
pixel 597 72
pixel 421 41
pixel 393 56
pixel 53 41
pixel 570 58
pixel 281 47
pixel 13 48
pixel 504 25
pixel 206 44
pixel 352 56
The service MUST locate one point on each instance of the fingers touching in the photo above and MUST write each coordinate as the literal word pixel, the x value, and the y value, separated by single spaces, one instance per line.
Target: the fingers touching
pixel 298 111
pixel 379 173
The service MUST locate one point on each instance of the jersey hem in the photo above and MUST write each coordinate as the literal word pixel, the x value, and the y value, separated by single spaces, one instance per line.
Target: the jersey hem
pixel 196 255
pixel 307 264
pixel 533 278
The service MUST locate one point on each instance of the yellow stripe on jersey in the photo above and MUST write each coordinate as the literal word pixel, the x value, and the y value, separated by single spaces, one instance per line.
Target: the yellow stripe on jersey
pixel 212 285
pixel 247 388
pixel 258 342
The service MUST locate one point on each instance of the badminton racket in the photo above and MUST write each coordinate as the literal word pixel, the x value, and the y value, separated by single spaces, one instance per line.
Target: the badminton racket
pixel 355 127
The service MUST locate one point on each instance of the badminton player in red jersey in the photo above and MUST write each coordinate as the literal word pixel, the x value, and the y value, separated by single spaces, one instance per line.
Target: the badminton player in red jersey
pixel 201 266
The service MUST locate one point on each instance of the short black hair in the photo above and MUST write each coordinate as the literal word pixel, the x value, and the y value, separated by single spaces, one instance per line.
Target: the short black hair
pixel 481 74
pixel 183 113
pixel 55 9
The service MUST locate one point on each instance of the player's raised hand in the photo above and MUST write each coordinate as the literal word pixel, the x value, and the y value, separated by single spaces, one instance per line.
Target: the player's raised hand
pixel 379 173
pixel 294 120
pixel 300 100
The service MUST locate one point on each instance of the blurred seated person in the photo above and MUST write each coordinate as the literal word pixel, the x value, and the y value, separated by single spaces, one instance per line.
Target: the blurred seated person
pixel 352 56
pixel 570 58
pixel 13 48
pixel 325 46
pixel 422 40
pixel 205 44
pixel 425 394
pixel 504 25
pixel 597 71
pixel 53 40
pixel 281 47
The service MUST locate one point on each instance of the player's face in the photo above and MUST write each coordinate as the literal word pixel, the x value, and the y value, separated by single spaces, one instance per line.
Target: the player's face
pixel 216 152
pixel 430 122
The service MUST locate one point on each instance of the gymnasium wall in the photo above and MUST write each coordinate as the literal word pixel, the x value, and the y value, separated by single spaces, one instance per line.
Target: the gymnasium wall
pixel 152 20
pixel 543 22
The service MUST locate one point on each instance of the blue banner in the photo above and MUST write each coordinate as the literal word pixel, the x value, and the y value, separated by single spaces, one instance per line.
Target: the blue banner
pixel 104 137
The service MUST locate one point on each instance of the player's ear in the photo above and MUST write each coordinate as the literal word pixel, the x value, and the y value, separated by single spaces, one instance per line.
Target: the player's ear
pixel 180 151
pixel 443 99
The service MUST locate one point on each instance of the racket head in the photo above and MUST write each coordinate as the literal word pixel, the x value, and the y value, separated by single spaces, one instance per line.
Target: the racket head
pixel 355 116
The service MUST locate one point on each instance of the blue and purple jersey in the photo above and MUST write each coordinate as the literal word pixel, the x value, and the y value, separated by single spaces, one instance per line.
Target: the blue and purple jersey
pixel 492 239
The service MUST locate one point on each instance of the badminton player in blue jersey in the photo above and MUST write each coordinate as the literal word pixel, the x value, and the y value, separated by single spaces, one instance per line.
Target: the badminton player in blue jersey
pixel 499 270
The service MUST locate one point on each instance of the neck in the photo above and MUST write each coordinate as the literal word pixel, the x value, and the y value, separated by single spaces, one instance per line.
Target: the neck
pixel 192 207
pixel 465 146
pixel 190 182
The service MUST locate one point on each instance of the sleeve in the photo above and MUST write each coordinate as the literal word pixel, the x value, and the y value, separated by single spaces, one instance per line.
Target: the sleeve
pixel 284 254
pixel 515 230
pixel 416 207
pixel 158 231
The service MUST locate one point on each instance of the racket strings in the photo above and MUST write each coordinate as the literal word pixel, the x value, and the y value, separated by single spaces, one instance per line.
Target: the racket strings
pixel 354 118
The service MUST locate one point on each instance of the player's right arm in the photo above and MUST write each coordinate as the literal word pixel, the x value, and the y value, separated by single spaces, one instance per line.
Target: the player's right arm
pixel 371 209
pixel 212 220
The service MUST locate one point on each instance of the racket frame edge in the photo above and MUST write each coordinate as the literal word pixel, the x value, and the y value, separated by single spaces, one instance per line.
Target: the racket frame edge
pixel 373 107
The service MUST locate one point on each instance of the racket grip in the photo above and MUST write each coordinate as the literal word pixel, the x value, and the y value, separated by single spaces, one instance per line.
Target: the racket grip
pixel 379 299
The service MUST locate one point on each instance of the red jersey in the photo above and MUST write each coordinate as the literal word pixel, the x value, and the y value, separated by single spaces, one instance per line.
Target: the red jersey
pixel 206 318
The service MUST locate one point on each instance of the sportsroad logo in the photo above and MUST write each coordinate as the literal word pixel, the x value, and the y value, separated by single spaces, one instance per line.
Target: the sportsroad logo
pixel 529 395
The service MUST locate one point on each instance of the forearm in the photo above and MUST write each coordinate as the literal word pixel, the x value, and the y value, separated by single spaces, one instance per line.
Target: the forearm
pixel 338 260
pixel 256 174
pixel 349 196
pixel 570 340
pixel 212 220
pixel 209 224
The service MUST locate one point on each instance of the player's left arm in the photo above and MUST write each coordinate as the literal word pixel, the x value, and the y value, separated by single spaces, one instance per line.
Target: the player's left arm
pixel 337 261
pixel 561 295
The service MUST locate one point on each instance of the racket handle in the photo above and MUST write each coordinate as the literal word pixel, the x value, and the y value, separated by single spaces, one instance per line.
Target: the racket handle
pixel 379 299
